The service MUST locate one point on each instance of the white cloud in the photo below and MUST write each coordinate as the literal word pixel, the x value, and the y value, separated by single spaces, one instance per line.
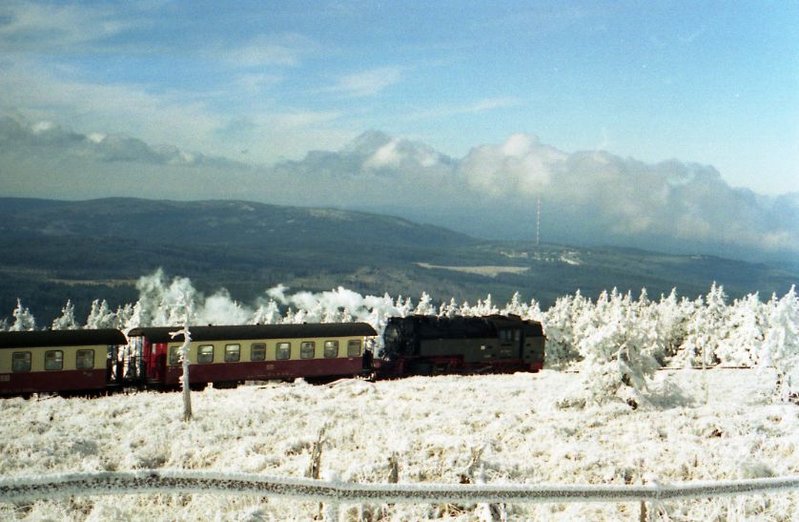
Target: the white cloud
pixel 39 94
pixel 521 164
pixel 56 27
pixel 285 50
pixel 479 106
pixel 301 119
pixel 42 126
pixel 255 83
pixel 385 156
pixel 368 83
pixel 490 104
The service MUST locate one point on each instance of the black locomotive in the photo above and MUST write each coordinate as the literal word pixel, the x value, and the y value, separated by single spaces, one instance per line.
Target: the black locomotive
pixel 426 345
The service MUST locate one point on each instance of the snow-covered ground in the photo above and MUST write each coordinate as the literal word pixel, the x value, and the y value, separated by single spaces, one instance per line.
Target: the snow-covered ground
pixel 720 424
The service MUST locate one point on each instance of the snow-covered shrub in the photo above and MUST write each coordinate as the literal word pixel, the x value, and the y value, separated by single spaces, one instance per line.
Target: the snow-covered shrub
pixel 616 351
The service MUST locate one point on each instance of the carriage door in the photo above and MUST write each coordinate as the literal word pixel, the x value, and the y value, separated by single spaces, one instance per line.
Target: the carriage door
pixel 152 364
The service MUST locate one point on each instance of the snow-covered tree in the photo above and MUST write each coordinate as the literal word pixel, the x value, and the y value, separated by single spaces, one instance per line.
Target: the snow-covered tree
pixel 706 330
pixel 184 358
pixel 268 313
pixel 671 316
pixel 449 309
pixel 101 316
pixel 745 326
pixel 781 344
pixel 23 319
pixel 403 307
pixel 485 307
pixel 124 315
pixel 159 300
pixel 425 306
pixel 515 306
pixel 560 328
pixel 66 321
pixel 533 311
pixel 136 317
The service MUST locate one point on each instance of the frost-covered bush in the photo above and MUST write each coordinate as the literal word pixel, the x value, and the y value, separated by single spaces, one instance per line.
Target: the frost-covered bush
pixel 560 328
pixel 616 349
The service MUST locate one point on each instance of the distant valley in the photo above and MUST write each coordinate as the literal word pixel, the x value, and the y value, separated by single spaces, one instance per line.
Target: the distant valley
pixel 51 251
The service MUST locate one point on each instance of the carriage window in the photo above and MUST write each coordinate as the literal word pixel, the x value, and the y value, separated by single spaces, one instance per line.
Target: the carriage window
pixel 54 360
pixel 331 349
pixel 174 355
pixel 283 351
pixel 258 352
pixel 84 359
pixel 353 348
pixel 21 362
pixel 205 354
pixel 232 352
pixel 307 349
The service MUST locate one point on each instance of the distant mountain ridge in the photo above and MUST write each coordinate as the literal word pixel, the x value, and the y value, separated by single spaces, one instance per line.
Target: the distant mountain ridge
pixel 218 221
pixel 588 197
pixel 51 251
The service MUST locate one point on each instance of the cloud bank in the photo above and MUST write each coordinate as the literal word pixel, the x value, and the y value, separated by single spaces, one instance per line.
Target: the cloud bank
pixel 587 196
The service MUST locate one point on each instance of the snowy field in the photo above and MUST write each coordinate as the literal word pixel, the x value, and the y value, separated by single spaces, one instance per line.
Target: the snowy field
pixel 696 426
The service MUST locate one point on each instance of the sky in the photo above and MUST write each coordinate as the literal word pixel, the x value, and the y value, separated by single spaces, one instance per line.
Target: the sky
pixel 672 126
pixel 265 82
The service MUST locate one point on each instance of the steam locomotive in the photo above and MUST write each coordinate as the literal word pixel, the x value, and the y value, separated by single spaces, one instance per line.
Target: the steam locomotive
pixel 99 361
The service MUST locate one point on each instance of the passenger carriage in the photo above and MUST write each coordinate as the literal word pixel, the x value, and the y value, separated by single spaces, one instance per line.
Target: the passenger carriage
pixel 228 355
pixel 57 360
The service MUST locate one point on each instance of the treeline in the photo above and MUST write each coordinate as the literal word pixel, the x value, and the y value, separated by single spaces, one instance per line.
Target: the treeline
pixel 616 341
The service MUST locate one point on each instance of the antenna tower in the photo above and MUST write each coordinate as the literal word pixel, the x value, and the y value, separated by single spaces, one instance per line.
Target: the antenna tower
pixel 538 222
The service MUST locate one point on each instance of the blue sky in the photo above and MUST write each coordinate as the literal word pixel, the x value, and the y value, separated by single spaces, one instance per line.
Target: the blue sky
pixel 715 83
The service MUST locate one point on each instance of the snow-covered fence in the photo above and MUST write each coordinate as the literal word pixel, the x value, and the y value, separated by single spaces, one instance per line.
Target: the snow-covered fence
pixel 337 492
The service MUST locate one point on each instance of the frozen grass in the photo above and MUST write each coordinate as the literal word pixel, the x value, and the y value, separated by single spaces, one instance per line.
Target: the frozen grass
pixel 716 425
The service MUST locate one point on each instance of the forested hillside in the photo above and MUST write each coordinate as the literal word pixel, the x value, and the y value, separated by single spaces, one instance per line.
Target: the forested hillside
pixel 52 251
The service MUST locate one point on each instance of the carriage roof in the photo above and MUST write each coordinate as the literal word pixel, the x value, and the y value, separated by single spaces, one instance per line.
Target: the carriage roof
pixel 47 338
pixel 160 334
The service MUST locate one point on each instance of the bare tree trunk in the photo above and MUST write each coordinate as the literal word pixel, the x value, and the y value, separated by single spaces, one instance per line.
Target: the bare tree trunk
pixel 186 389
pixel 184 356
